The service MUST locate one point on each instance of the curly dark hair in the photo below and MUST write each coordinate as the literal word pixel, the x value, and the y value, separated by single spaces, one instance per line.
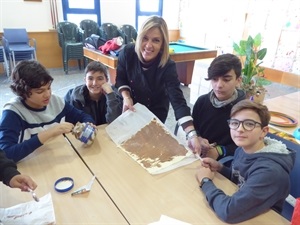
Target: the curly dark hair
pixel 28 74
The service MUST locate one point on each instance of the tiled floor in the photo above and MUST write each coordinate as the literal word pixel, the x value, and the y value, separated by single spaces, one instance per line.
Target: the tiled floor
pixel 62 83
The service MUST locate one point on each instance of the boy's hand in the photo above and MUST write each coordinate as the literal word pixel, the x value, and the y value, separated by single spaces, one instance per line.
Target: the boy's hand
pixel 22 182
pixel 106 87
pixel 204 172
pixel 212 164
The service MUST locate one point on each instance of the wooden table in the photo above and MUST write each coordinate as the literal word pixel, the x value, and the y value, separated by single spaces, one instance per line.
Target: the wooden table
pixel 184 56
pixel 143 198
pixel 288 104
pixel 52 161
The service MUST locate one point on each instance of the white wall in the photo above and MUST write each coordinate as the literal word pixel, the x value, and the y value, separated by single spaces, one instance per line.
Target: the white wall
pixel 35 16
pixel 171 13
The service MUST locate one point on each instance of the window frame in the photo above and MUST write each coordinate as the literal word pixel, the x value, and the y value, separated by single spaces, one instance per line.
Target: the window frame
pixel 143 13
pixel 67 10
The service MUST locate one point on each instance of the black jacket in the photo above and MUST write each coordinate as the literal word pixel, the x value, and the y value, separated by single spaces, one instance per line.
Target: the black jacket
pixel 155 88
pixel 107 109
pixel 8 169
pixel 211 122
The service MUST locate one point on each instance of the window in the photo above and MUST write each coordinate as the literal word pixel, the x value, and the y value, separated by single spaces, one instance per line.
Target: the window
pixel 78 10
pixel 146 8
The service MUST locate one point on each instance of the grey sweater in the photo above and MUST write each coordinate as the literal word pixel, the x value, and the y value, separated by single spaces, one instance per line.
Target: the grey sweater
pixel 263 180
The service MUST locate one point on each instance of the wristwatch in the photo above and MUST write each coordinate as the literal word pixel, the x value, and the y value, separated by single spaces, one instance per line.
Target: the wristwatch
pixel 204 180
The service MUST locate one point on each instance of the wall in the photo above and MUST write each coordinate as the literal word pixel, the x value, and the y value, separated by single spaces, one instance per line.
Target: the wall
pixel 35 16
pixel 218 23
pixel 213 24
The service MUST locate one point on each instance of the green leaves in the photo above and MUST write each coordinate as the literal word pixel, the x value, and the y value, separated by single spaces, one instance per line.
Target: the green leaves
pixel 256 40
pixel 261 53
pixel 251 57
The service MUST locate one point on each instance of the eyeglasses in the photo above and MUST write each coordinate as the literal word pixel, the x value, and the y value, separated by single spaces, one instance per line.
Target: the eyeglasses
pixel 248 125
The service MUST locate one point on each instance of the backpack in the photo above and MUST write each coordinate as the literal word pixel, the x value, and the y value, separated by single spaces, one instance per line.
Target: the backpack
pixel 94 41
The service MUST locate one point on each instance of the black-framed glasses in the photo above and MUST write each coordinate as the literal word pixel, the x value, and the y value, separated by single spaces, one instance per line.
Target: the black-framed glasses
pixel 248 125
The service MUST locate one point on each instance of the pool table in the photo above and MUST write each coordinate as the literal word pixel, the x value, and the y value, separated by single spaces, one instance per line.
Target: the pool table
pixel 184 56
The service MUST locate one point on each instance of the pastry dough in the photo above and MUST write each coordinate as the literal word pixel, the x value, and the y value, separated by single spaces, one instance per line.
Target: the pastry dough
pixel 154 148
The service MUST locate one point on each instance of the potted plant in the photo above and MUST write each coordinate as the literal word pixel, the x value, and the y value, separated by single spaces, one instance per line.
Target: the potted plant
pixel 253 80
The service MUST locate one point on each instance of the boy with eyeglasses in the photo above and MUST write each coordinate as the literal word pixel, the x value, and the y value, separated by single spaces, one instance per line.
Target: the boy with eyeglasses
pixel 260 168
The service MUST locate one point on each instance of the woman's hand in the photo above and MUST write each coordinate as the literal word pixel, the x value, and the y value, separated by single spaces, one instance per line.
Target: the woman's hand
pixel 194 144
pixel 128 104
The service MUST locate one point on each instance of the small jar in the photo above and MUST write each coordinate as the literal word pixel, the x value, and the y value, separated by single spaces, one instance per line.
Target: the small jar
pixel 84 132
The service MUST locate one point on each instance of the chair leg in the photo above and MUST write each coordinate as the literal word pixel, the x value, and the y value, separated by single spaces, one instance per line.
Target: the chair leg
pixel 65 66
pixel 11 64
pixel 79 63
pixel 85 61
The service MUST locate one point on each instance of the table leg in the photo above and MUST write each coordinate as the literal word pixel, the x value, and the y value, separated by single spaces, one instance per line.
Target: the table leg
pixel 185 71
pixel 112 75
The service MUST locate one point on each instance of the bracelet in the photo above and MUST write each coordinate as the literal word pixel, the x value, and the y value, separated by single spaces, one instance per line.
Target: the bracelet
pixel 219 150
pixel 191 134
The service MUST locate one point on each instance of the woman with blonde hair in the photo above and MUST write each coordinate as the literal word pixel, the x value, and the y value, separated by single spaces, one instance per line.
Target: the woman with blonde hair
pixel 147 75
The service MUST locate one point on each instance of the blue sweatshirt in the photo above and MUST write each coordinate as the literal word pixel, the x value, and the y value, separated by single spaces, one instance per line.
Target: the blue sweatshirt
pixel 20 124
pixel 263 180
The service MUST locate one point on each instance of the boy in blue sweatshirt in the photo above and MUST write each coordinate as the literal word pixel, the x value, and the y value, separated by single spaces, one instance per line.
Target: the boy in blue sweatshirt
pixel 260 168
pixel 36 115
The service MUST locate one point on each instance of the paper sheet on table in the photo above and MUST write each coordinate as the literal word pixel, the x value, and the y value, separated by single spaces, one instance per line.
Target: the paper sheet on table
pixel 129 123
pixel 165 220
pixel 29 213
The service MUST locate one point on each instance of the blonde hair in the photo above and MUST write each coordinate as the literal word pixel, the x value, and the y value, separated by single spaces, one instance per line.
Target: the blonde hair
pixel 154 22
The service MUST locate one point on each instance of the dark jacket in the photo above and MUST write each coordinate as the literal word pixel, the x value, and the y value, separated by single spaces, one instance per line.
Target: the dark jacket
pixel 8 169
pixel 106 110
pixel 211 122
pixel 155 88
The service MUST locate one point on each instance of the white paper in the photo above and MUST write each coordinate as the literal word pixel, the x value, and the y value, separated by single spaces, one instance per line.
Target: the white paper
pixel 29 213
pixel 129 123
pixel 165 220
